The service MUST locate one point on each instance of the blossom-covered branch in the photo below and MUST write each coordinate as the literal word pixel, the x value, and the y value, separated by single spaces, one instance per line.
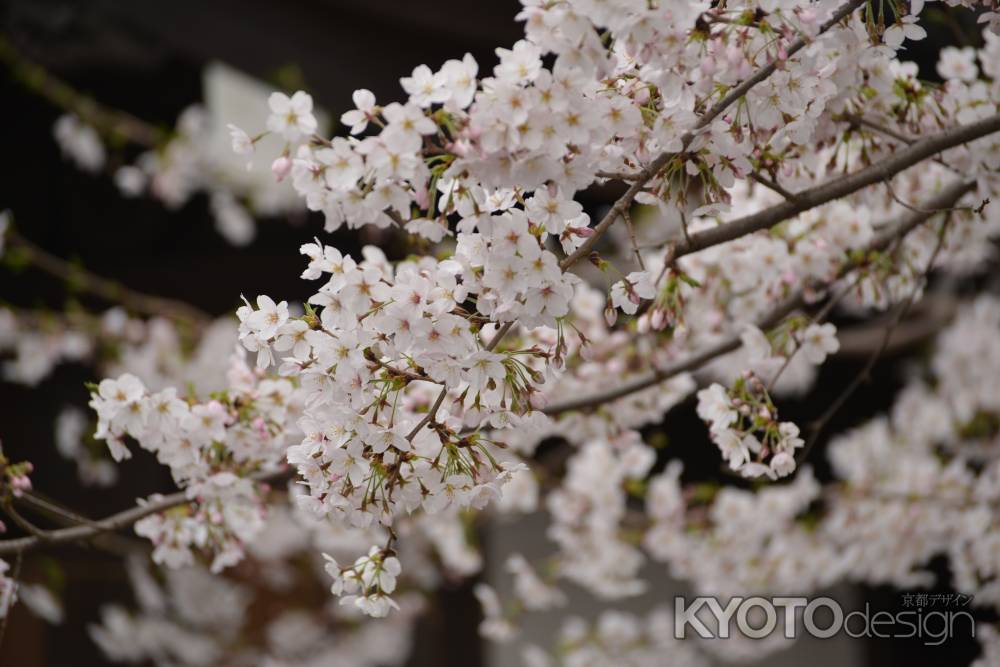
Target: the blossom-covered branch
pixel 943 200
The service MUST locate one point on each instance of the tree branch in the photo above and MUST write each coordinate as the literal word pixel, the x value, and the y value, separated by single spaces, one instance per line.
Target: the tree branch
pixel 111 122
pixel 104 288
pixel 839 187
pixel 115 521
pixel 946 198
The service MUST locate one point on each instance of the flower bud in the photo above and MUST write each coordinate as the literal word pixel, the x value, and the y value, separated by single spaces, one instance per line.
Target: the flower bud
pixel 658 319
pixel 281 167
pixel 610 315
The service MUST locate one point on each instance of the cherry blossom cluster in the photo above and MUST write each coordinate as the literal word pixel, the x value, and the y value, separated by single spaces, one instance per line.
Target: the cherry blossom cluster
pixel 212 449
pixel 617 637
pixel 157 349
pixel 368 583
pixel 743 423
pixel 185 165
pixel 494 162
pixel 411 396
pixel 191 617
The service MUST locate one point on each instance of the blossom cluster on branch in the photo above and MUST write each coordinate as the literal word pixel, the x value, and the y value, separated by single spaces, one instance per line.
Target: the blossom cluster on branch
pixel 780 161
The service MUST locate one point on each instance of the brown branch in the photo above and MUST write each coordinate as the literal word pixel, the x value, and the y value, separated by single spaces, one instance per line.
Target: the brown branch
pixel 429 416
pixel 635 245
pixel 104 288
pixel 927 317
pixel 839 187
pixel 858 119
pixel 947 197
pixel 401 372
pixel 114 522
pixel 111 122
pixel 774 186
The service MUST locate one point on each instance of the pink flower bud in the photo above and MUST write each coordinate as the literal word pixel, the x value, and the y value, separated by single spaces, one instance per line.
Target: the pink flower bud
pixel 658 319
pixel 610 315
pixel 281 167
pixel 538 400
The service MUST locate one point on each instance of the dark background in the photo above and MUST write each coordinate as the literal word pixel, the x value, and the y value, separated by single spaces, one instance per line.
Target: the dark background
pixel 146 57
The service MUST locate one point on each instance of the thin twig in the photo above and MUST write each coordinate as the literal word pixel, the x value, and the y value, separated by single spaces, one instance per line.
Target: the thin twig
pixel 881 129
pixel 635 245
pixel 892 193
pixel 429 416
pixel 402 372
pixel 104 288
pixel 774 186
pixel 23 523
pixel 115 521
pixel 820 316
pixel 865 375
pixel 111 122
pixel 860 120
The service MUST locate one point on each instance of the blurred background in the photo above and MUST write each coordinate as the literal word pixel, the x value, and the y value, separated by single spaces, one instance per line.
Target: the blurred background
pixel 149 61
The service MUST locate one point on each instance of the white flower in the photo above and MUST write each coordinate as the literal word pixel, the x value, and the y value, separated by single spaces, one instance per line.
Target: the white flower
pixel 520 64
pixel 819 340
pixel 627 294
pixel 269 317
pixel 906 28
pixel 783 464
pixel 357 118
pixel 460 81
pixel 80 142
pixel 734 447
pixel 242 143
pixel 955 63
pixel 291 116
pixel 714 406
pixel 425 87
